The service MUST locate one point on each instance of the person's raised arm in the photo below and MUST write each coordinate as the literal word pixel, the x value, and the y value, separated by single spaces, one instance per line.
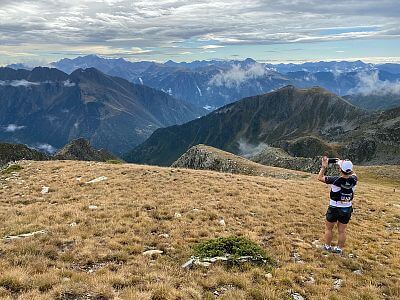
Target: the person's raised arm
pixel 324 166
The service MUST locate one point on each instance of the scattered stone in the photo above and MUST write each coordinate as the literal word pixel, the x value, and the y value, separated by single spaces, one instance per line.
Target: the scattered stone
pixel 268 275
pixel 24 235
pixel 337 284
pixel 78 178
pixel 310 280
pixel 188 264
pixel 202 263
pixel 358 272
pixel 73 224
pixel 297 258
pixel 177 215
pixel 207 261
pixel 222 222
pixel 296 296
pixel 218 258
pixel 152 252
pixel 98 179
pixel 317 244
pixel 93 207
pixel 164 235
pixel 45 190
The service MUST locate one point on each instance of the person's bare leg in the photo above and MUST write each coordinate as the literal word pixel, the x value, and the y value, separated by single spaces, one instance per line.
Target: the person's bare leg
pixel 328 232
pixel 342 234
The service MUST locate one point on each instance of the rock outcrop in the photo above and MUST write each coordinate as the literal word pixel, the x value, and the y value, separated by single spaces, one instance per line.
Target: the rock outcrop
pixel 202 157
pixel 80 149
pixel 15 152
pixel 277 157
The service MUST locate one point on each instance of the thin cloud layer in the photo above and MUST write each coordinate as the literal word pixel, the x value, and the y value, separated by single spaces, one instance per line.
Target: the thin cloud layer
pixel 238 75
pixel 370 84
pixel 171 27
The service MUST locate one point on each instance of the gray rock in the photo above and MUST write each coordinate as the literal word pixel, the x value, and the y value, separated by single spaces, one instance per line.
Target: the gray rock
pixel 296 296
pixel 337 284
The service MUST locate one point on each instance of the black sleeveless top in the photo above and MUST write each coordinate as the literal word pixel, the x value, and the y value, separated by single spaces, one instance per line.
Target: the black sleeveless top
pixel 342 189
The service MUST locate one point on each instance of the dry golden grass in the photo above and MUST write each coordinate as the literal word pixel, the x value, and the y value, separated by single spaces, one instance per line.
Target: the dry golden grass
pixel 97 254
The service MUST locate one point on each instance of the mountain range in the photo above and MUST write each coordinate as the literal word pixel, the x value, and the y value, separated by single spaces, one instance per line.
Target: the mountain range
pixel 212 84
pixel 286 117
pixel 46 108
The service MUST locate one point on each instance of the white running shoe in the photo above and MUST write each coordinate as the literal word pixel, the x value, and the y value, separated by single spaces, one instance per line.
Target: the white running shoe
pixel 337 250
pixel 327 248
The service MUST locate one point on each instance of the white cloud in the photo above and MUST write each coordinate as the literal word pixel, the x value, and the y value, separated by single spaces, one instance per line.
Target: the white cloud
pixel 131 27
pixel 249 150
pixel 237 75
pixel 17 83
pixel 13 128
pixel 68 83
pixel 370 84
pixel 46 148
pixel 209 47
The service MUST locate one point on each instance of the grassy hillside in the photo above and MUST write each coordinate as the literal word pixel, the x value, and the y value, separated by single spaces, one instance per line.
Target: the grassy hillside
pixel 95 233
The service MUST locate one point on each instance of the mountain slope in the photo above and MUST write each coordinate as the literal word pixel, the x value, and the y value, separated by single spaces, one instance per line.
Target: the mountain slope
pixel 374 102
pixel 47 106
pixel 282 115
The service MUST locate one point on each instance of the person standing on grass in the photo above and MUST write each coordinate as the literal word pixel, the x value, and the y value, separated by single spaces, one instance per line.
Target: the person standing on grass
pixel 340 203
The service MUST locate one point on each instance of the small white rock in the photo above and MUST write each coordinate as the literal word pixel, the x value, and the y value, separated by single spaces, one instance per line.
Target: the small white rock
pixel 98 179
pixel 297 296
pixel 178 215
pixel 152 252
pixel 310 280
pixel 222 222
pixel 268 275
pixel 164 235
pixel 357 272
pixel 73 224
pixel 93 207
pixel 45 190
pixel 202 263
pixel 337 284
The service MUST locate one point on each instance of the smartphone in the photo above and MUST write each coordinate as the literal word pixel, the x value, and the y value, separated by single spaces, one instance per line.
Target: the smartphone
pixel 333 160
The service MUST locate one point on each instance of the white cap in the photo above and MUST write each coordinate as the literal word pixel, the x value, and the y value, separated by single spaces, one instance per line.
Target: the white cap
pixel 346 166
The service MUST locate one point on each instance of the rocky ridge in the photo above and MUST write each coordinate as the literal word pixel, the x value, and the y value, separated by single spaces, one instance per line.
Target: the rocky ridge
pixel 202 157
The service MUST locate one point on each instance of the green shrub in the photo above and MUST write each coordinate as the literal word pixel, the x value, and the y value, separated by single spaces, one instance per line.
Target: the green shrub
pixel 12 168
pixel 234 246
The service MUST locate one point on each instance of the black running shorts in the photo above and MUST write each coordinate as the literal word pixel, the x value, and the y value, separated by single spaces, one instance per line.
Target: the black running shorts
pixel 341 214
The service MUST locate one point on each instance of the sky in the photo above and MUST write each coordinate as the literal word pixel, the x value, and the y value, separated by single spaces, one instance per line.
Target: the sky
pixel 43 31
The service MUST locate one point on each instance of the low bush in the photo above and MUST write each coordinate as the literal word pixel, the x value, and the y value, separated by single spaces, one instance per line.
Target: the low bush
pixel 234 246
pixel 12 168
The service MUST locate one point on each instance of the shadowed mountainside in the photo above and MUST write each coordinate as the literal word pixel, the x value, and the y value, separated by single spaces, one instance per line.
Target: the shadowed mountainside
pixel 47 106
pixel 15 152
pixel 286 114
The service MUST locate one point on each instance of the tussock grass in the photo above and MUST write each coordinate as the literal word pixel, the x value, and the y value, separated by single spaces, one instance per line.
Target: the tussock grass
pixel 97 253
